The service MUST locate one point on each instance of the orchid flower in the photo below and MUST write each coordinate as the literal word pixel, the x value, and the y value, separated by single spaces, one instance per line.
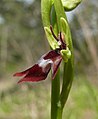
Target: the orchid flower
pixel 50 60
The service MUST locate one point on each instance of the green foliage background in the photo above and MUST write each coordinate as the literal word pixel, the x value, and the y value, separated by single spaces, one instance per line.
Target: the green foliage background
pixel 22 42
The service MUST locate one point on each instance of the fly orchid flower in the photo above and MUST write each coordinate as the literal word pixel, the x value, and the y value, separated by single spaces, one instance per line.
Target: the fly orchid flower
pixel 50 60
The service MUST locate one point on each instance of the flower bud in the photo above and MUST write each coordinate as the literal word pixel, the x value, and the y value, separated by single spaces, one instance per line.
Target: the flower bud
pixel 70 4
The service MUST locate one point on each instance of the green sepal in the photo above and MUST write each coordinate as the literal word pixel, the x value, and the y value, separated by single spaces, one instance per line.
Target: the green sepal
pixel 53 43
pixel 66 54
pixel 69 5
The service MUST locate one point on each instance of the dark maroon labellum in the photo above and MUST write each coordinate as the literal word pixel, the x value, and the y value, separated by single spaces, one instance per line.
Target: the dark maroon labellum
pixel 50 60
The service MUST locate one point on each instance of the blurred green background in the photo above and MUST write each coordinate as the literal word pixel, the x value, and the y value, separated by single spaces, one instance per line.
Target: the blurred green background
pixel 23 41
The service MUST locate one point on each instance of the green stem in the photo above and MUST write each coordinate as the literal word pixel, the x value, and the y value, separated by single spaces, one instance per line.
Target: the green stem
pixel 51 14
pixel 55 89
pixel 55 93
pixel 59 12
pixel 59 113
pixel 67 82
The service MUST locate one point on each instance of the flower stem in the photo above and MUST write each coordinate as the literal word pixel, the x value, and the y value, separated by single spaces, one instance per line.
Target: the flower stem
pixel 59 113
pixel 55 93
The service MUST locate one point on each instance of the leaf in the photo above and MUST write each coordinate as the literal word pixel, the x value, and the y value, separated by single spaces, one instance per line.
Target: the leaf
pixel 45 11
pixel 59 12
